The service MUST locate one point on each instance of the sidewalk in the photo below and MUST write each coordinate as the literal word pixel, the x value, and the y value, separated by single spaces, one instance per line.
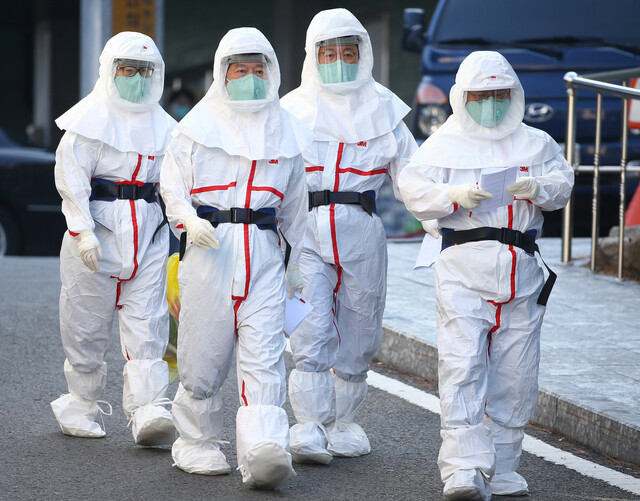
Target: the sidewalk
pixel 589 384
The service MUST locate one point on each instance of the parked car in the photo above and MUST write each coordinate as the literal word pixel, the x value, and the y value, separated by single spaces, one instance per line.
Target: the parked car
pixel 31 222
pixel 543 40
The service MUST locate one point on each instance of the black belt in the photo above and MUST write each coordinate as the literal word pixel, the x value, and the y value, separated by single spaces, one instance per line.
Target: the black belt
pixel 507 236
pixel 265 219
pixel 108 191
pixel 367 199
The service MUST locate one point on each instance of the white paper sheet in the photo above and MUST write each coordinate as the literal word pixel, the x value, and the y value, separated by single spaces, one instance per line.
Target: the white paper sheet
pixel 496 181
pixel 429 252
pixel 295 311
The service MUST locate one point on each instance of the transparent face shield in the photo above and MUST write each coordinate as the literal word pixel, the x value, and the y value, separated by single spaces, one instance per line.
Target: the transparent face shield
pixel 246 76
pixel 338 59
pixel 132 78
pixel 488 107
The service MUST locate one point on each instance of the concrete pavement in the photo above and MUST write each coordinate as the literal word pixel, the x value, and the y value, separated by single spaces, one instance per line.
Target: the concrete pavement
pixel 589 383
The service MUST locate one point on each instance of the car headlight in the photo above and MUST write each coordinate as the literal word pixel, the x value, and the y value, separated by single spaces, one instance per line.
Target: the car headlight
pixel 432 108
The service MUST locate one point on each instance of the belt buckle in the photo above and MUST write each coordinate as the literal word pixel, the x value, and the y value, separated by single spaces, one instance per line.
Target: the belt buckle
pixel 240 215
pixel 510 237
pixel 326 197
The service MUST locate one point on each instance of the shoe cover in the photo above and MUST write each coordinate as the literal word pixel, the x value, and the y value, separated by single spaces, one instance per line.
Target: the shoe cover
pixel 266 465
pixel 509 484
pixel 262 441
pixel 151 425
pixel 86 385
pixel 77 416
pixel 312 398
pixel 468 485
pixel 203 458
pixel 309 444
pixel 348 440
pixel 145 381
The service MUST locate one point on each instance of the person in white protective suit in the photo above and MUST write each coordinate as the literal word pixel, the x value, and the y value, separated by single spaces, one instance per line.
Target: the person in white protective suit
pixel 233 178
pixel 490 289
pixel 114 255
pixel 359 139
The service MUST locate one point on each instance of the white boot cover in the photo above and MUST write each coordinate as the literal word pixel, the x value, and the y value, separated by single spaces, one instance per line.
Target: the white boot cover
pixel 199 423
pixel 466 462
pixel 202 458
pixel 262 436
pixel 77 411
pixel 346 438
pixel 151 425
pixel 468 485
pixel 312 398
pixel 508 444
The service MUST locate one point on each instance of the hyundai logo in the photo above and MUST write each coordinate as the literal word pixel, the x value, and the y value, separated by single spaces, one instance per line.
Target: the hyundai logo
pixel 538 112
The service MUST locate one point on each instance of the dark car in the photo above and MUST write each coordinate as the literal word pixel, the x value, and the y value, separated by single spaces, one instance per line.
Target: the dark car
pixel 31 222
pixel 542 40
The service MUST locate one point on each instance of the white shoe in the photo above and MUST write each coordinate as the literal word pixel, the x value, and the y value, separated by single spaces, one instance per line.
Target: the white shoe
pixel 152 425
pixel 348 440
pixel 509 484
pixel 266 466
pixel 467 485
pixel 308 444
pixel 202 458
pixel 77 416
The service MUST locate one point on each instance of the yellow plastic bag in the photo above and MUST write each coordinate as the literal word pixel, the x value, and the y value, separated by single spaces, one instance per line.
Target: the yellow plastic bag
pixel 173 298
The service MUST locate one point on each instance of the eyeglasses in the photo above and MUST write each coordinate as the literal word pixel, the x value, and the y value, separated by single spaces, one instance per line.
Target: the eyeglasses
pixel 129 71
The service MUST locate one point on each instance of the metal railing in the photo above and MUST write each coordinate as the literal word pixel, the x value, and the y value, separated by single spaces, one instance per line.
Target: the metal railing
pixel 598 83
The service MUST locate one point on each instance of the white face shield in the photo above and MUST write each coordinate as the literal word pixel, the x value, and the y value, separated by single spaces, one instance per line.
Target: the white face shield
pixel 488 107
pixel 246 76
pixel 337 59
pixel 132 78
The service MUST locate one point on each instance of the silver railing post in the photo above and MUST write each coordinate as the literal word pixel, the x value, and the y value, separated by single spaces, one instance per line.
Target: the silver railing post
pixel 623 182
pixel 595 202
pixel 570 149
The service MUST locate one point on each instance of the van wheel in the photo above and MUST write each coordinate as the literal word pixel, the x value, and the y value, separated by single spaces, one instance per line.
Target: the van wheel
pixel 9 236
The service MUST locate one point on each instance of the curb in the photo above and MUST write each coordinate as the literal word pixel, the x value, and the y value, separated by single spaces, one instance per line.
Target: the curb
pixel 577 421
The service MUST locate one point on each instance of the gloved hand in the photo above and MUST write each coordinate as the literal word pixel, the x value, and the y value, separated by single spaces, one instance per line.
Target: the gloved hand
pixel 525 188
pixel 468 195
pixel 294 279
pixel 431 227
pixel 200 231
pixel 90 250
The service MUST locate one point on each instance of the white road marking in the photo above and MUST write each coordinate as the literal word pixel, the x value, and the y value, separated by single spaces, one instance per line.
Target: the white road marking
pixel 530 444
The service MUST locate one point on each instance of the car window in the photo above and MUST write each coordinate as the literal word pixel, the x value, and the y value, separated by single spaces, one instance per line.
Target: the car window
pixel 555 22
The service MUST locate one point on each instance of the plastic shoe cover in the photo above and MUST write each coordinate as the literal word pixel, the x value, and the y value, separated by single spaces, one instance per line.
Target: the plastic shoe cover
pixel 203 458
pixel 308 444
pixel 348 440
pixel 509 484
pixel 468 485
pixel 266 466
pixel 77 416
pixel 152 425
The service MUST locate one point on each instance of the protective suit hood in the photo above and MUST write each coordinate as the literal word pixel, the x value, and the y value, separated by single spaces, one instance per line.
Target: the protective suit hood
pixel 255 129
pixel 349 111
pixel 461 143
pixel 143 127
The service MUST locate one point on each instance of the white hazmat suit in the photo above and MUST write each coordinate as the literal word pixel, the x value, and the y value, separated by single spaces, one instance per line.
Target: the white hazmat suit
pixel 359 138
pixel 113 258
pixel 230 158
pixel 487 291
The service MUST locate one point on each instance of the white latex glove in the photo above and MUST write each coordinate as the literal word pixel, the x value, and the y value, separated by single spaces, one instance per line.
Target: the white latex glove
pixel 468 195
pixel 431 227
pixel 294 279
pixel 90 250
pixel 200 231
pixel 525 188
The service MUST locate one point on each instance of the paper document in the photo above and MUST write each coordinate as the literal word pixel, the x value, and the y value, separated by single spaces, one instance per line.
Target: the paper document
pixel 496 181
pixel 295 311
pixel 429 252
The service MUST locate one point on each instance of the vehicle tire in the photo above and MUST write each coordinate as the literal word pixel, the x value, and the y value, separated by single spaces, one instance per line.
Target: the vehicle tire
pixel 9 235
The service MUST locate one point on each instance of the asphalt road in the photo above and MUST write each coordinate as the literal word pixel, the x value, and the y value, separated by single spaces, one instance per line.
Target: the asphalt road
pixel 40 463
